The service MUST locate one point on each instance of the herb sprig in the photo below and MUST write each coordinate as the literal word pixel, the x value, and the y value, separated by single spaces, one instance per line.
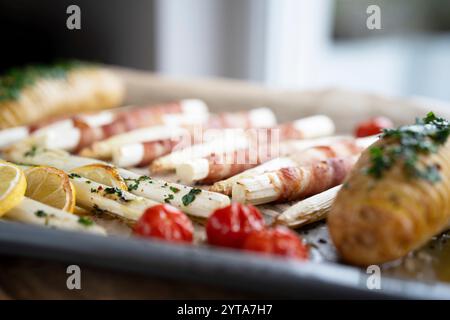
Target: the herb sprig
pixel 189 197
pixel 406 143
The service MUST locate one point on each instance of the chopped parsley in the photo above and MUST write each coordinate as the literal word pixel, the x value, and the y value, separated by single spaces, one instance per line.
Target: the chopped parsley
pixel 74 175
pixel 40 214
pixel 168 198
pixel 85 221
pixel 135 182
pixel 15 80
pixel 174 190
pixel 188 198
pixel 116 191
pixel 31 152
pixel 406 143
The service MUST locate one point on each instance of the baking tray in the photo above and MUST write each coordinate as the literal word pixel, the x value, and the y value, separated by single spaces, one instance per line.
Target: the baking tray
pixel 228 268
pixel 324 277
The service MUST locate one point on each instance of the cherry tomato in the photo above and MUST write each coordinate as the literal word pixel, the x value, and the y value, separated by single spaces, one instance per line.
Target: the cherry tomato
pixel 278 241
pixel 229 226
pixel 165 222
pixel 373 126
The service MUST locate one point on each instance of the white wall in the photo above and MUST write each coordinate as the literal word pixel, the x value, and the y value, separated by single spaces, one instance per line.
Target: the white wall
pixel 288 44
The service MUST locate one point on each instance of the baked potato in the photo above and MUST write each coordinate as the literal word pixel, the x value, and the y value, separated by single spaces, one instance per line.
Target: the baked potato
pixel 34 93
pixel 397 196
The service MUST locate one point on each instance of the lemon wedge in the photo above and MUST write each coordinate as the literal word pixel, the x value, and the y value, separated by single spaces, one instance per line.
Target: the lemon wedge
pixel 50 186
pixel 12 186
pixel 102 173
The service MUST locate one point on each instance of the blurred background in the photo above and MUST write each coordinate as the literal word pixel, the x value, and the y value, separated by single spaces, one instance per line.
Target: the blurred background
pixel 296 44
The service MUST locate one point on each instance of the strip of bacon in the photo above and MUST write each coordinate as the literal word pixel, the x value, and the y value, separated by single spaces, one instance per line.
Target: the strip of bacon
pixel 141 154
pixel 293 183
pixel 334 148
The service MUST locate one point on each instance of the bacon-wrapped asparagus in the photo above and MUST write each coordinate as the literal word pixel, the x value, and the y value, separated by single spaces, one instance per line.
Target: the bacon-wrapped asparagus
pixel 80 131
pixel 142 153
pixel 306 128
pixel 218 166
pixel 307 152
pixel 226 141
pixel 104 149
pixel 254 118
pixel 293 183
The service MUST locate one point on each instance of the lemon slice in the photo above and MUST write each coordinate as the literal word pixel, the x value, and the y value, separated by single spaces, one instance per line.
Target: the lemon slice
pixel 12 186
pixel 50 186
pixel 102 173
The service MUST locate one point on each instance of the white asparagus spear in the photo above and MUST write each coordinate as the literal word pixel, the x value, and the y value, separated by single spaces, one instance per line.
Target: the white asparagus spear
pixel 190 200
pixel 309 210
pixel 286 148
pixel 207 170
pixel 12 135
pixel 104 149
pixel 128 155
pixel 99 118
pixel 309 127
pixel 16 134
pixel 292 183
pixel 230 141
pixel 68 137
pixel 196 202
pixel 95 196
pixel 33 212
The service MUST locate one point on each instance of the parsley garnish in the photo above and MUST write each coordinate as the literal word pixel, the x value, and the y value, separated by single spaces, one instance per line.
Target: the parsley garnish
pixel 85 221
pixel 406 143
pixel 31 152
pixel 117 192
pixel 74 175
pixel 190 196
pixel 169 198
pixel 135 185
pixel 40 214
pixel 174 190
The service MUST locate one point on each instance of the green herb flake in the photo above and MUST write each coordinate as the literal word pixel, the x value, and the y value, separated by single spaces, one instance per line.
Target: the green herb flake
pixel 31 152
pixel 15 80
pixel 168 198
pixel 116 191
pixel 40 214
pixel 406 143
pixel 85 221
pixel 74 175
pixel 133 184
pixel 188 198
pixel 174 190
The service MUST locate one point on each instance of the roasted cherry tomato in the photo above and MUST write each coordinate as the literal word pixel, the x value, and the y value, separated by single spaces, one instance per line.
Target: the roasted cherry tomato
pixel 229 226
pixel 373 126
pixel 165 222
pixel 278 241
